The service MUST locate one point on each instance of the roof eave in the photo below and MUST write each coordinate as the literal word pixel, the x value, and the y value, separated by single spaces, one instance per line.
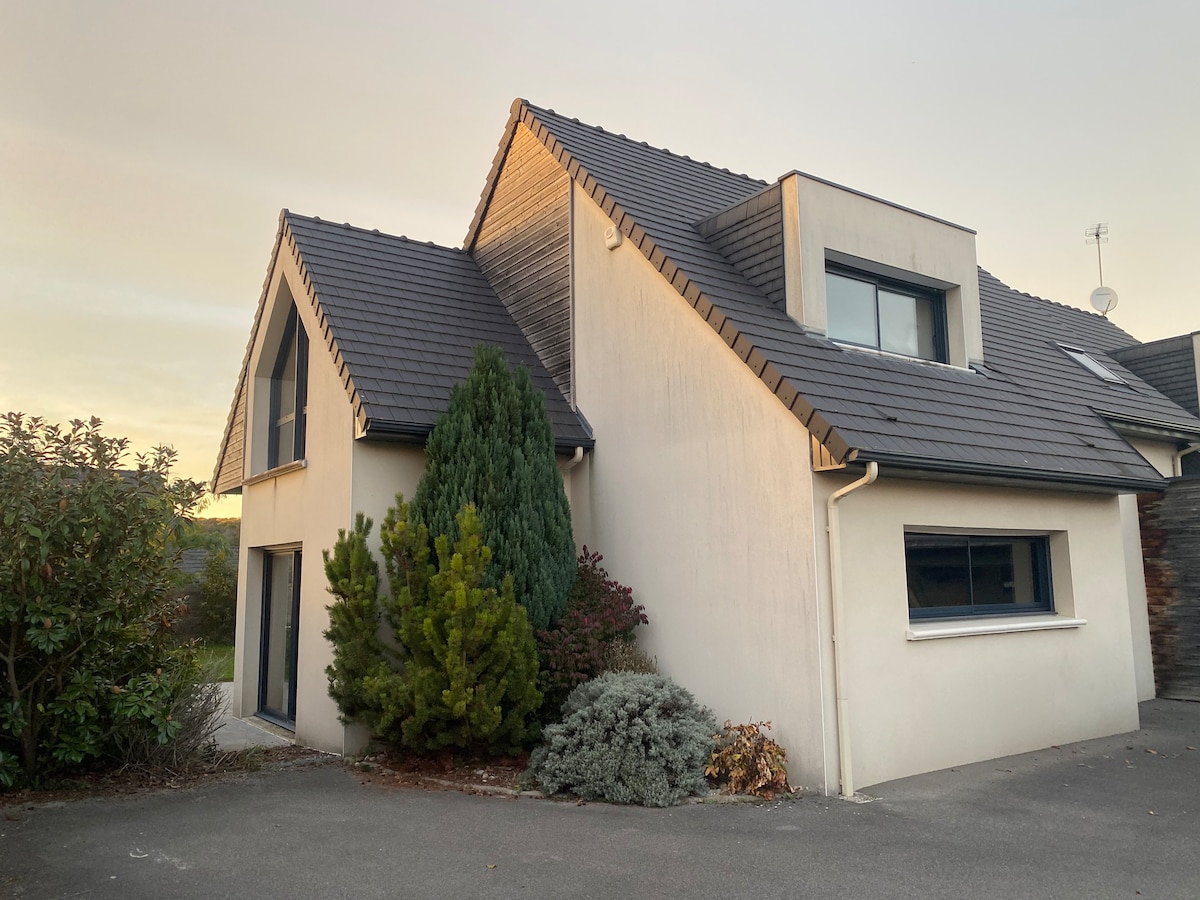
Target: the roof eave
pixel 989 472
pixel 418 434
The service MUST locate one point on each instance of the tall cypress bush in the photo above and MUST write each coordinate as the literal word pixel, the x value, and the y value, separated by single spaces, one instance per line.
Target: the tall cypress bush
pixel 494 447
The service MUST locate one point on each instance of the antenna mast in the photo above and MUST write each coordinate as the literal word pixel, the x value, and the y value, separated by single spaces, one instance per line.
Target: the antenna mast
pixel 1096 234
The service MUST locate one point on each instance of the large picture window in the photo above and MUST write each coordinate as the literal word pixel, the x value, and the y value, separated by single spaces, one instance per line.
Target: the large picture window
pixel 870 311
pixel 976 575
pixel 289 396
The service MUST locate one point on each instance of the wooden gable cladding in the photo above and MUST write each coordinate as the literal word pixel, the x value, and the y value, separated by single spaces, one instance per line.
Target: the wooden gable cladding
pixel 522 245
pixel 750 235
pixel 228 477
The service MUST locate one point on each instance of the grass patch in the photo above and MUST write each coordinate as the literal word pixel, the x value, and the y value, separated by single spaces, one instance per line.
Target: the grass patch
pixel 218 657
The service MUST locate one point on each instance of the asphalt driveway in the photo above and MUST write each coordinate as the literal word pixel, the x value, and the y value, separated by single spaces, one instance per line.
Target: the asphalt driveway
pixel 1117 817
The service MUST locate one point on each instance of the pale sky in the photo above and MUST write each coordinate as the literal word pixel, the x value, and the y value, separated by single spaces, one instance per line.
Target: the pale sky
pixel 147 148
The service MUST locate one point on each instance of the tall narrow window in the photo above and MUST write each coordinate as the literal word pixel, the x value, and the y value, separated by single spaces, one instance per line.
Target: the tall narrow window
pixel 280 632
pixel 876 312
pixel 289 396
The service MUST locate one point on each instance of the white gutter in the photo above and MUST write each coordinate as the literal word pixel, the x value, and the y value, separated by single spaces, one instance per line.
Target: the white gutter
pixel 835 596
pixel 1177 458
pixel 573 461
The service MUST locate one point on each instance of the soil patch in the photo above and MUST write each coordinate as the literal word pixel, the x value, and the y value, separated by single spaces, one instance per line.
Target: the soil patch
pixel 443 772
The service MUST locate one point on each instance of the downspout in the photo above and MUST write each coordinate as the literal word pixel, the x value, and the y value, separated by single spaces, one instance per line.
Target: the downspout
pixel 1177 459
pixel 573 461
pixel 835 597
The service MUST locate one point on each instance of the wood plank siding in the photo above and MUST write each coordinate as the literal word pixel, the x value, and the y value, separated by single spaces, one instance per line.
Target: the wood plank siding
pixel 750 235
pixel 524 249
pixel 1171 549
pixel 228 477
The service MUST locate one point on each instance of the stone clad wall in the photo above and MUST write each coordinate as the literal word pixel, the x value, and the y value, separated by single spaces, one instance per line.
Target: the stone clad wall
pixel 1171 547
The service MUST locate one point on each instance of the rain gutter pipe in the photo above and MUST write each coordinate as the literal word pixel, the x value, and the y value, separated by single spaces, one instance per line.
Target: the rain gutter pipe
pixel 573 461
pixel 832 528
pixel 1177 459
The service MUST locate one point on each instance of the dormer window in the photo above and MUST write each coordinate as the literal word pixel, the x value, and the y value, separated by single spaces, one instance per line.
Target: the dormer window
pixel 1081 357
pixel 289 396
pixel 866 310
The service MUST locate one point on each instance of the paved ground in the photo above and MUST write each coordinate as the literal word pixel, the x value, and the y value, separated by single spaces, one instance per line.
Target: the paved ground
pixel 1106 818
pixel 239 734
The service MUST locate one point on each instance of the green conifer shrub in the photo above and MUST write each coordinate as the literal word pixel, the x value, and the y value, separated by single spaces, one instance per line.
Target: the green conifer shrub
pixel 494 447
pixel 626 738
pixel 470 671
pixel 354 619
pixel 600 613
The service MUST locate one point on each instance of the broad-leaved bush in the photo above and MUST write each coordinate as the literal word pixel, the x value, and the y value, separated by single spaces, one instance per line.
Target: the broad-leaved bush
pixel 626 738
pixel 746 761
pixel 87 573
pixel 600 615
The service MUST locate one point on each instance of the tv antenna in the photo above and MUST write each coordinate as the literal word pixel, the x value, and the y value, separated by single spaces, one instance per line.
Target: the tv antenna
pixel 1104 299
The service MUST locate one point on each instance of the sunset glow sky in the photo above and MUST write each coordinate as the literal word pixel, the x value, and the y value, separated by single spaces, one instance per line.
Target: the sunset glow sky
pixel 147 148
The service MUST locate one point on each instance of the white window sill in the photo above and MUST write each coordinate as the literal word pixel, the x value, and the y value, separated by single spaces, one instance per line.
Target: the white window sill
pixel 294 466
pixel 931 629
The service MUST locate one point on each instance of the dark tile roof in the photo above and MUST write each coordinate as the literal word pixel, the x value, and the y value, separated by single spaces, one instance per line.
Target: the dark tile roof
pixel 404 317
pixel 1035 418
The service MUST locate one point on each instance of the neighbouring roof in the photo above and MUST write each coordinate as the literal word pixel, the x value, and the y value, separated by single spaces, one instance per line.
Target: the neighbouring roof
pixel 1037 415
pixel 401 319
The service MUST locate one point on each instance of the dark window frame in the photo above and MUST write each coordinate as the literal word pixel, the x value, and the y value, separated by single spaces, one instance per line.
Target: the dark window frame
pixel 1041 575
pixel 283 717
pixel 293 335
pixel 941 349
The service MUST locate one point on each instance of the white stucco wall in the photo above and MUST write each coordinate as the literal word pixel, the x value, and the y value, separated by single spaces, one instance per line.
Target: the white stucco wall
pixel 304 509
pixel 917 706
pixel 698 494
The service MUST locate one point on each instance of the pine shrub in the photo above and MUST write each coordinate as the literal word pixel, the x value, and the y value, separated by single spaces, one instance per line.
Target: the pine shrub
pixel 354 619
pixel 600 614
pixel 626 738
pixel 494 447
pixel 470 673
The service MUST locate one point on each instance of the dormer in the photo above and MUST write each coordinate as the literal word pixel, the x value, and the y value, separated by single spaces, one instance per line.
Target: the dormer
pixel 872 275
pixel 868 274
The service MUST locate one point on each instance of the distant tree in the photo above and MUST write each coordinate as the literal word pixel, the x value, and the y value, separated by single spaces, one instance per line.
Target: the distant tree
pixel 494 448
pixel 87 567
pixel 217 586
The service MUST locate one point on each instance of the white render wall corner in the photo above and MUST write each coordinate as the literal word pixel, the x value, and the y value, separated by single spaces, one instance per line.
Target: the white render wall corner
pixel 301 508
pixel 918 706
pixel 699 496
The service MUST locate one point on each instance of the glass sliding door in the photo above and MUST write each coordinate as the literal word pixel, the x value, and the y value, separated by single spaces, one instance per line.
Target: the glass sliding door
pixel 280 630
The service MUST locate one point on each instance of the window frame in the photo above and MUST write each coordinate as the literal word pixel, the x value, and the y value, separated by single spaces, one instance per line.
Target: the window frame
pixel 1041 576
pixel 937 298
pixel 1091 364
pixel 293 335
pixel 286 717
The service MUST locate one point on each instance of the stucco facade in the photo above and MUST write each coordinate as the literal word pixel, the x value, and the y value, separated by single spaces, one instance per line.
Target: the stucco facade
pixel 301 508
pixel 762 475
pixel 697 459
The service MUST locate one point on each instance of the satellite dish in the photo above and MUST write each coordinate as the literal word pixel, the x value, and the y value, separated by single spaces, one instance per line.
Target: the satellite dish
pixel 1104 300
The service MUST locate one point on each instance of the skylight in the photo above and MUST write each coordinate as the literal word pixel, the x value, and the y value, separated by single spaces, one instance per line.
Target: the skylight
pixel 1091 365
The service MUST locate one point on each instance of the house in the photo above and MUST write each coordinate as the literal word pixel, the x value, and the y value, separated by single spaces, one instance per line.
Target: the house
pixel 865 490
